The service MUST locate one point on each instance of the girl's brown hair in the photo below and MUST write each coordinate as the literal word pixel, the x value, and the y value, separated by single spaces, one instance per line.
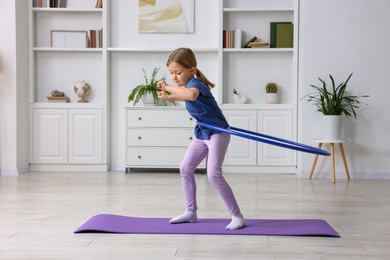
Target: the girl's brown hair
pixel 186 58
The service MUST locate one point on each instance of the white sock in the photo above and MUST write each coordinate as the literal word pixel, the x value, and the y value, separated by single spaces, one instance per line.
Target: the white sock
pixel 237 222
pixel 186 217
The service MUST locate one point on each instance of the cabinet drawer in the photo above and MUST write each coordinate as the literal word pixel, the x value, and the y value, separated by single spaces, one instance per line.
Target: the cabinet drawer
pixel 159 137
pixel 156 118
pixel 155 156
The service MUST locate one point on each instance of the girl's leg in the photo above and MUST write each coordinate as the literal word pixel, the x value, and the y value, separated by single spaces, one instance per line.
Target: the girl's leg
pixel 196 152
pixel 218 145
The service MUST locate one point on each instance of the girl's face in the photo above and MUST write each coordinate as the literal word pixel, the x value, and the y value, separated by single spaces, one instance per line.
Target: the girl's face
pixel 179 74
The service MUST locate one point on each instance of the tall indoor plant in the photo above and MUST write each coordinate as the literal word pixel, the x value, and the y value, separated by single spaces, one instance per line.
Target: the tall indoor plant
pixel 332 103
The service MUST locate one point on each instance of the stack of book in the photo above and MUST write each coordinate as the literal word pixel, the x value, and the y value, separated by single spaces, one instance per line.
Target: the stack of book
pixel 96 38
pixel 49 3
pixel 254 42
pixel 258 45
pixel 99 4
pixel 63 99
pixel 232 38
pixel 282 35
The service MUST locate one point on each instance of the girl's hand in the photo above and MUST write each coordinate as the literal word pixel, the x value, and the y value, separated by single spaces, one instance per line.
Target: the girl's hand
pixel 162 95
pixel 161 84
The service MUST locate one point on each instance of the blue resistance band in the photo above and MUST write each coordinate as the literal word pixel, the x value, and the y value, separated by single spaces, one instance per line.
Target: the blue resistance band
pixel 268 139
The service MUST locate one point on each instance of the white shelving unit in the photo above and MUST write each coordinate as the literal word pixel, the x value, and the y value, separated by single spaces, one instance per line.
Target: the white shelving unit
pixel 81 143
pixel 248 70
pixel 115 68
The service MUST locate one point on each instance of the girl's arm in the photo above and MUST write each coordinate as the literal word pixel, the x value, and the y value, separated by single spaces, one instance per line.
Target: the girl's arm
pixel 176 93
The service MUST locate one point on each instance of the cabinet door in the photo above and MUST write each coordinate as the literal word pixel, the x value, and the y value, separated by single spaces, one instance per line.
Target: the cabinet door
pixel 85 136
pixel 241 151
pixel 50 136
pixel 277 123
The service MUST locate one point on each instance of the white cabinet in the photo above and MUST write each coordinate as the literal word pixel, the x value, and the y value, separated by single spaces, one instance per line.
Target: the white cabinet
pixel 276 123
pixel 50 138
pixel 157 137
pixel 85 136
pixel 67 136
pixel 244 152
pixel 241 151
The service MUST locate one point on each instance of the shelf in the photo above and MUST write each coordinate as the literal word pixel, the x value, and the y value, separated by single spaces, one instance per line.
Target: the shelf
pixel 247 10
pixel 256 106
pixel 67 105
pixel 49 49
pixel 158 50
pixel 66 10
pixel 251 50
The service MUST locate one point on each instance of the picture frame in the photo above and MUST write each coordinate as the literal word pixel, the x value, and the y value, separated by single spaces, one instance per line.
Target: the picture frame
pixel 68 39
pixel 166 16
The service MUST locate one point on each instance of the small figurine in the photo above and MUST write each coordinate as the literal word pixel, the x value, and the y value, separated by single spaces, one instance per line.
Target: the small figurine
pixel 239 99
pixel 82 89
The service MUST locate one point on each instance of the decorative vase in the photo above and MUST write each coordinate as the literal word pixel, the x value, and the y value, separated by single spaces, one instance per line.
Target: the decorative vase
pixel 271 98
pixel 238 99
pixel 82 89
pixel 331 127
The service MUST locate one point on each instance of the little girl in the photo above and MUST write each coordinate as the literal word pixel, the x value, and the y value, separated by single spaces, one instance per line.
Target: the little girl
pixel 194 88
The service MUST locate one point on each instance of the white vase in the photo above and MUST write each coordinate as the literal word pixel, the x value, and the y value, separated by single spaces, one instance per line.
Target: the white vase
pixel 331 127
pixel 271 98
pixel 148 100
pixel 240 99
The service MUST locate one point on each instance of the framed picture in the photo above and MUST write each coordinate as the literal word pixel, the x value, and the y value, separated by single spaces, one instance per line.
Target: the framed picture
pixel 69 39
pixel 166 16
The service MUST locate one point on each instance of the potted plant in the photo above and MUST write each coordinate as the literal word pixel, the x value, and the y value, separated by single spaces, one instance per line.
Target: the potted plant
pixel 332 103
pixel 271 90
pixel 147 91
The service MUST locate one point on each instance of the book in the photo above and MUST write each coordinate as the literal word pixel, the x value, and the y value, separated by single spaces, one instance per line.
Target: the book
pixel 246 45
pixel 99 4
pixel 58 99
pixel 284 35
pixel 254 44
pixel 61 3
pixel 238 38
pixel 273 32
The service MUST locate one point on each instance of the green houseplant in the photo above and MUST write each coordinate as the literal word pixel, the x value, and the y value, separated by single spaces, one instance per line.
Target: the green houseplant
pixel 334 100
pixel 148 88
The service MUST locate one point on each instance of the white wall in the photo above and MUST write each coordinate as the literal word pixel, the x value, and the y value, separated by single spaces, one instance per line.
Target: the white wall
pixel 13 87
pixel 7 88
pixel 339 37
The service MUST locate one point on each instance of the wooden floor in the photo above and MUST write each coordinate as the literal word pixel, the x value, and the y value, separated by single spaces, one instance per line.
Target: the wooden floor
pixel 40 211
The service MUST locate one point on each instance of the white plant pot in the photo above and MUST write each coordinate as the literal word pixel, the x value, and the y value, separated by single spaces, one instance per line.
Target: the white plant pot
pixel 148 100
pixel 271 98
pixel 331 127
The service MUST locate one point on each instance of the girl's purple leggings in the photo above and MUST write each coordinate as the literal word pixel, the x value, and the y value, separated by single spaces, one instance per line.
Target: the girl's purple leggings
pixel 215 148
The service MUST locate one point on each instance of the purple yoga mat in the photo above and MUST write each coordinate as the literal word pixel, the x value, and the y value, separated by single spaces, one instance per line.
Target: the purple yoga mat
pixel 106 223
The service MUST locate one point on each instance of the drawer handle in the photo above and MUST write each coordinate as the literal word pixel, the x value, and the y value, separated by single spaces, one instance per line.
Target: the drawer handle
pixel 190 137
pixel 140 118
pixel 139 156
pixel 191 119
pixel 139 137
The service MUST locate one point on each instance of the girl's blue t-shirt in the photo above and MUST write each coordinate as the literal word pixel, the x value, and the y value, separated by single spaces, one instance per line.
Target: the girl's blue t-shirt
pixel 205 109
